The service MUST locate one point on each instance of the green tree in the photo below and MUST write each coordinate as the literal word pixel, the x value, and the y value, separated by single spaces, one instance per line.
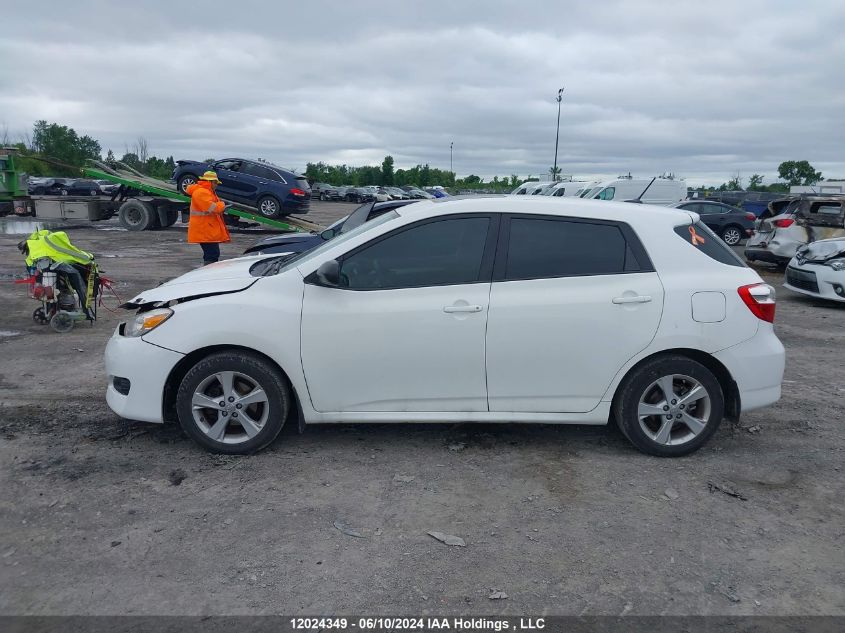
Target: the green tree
pixel 387 171
pixel 110 159
pixel 798 172
pixel 554 172
pixel 62 143
pixel 755 182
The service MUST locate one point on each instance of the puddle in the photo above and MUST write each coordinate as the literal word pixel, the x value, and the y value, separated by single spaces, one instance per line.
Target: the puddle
pixel 17 226
pixel 8 333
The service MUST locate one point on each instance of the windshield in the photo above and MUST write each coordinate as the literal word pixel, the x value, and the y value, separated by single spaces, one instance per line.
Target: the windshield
pixel 287 264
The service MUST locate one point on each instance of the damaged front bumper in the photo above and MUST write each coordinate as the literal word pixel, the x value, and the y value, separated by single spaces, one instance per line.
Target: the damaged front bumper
pixel 137 372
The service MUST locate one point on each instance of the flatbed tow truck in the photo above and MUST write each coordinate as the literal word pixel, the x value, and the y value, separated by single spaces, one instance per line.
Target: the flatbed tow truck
pixel 140 202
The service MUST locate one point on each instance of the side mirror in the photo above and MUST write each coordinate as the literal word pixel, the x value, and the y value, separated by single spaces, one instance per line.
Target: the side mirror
pixel 327 234
pixel 328 274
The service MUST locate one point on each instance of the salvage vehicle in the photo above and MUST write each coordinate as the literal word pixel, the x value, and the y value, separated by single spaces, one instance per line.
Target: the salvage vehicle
pixel 274 191
pixel 509 309
pixel 292 243
pixel 818 270
pixel 731 224
pixel 804 220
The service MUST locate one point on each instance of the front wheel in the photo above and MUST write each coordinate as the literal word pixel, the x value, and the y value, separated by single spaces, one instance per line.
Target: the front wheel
pixel 233 403
pixel 670 406
pixel 732 235
pixel 185 181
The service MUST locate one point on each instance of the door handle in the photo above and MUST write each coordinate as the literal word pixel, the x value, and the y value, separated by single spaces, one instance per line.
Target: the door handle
pixel 637 299
pixel 453 309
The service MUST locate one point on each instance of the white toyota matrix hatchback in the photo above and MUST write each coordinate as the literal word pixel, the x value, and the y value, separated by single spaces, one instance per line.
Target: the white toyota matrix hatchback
pixel 511 309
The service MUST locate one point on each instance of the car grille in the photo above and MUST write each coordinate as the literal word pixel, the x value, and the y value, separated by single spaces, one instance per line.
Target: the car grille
pixel 802 279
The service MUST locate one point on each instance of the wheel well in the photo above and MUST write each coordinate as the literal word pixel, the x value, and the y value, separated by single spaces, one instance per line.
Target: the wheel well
pixel 733 405
pixel 171 385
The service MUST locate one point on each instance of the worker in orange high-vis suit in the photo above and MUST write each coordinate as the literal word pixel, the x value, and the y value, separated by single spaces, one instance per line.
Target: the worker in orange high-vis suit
pixel 206 226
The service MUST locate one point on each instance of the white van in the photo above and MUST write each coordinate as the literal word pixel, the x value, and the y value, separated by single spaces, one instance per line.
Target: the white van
pixel 530 188
pixel 661 191
pixel 567 188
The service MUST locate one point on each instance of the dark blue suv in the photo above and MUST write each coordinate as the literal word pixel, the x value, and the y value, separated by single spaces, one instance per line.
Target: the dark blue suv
pixel 273 191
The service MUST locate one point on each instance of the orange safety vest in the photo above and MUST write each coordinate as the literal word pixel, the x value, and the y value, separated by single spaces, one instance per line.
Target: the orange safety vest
pixel 206 222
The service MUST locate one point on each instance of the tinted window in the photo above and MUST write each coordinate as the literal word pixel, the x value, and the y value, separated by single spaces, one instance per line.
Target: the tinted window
pixel 230 165
pixel 704 240
pixel 560 248
pixel 302 183
pixel 437 253
pixel 559 192
pixel 260 171
pixel 607 193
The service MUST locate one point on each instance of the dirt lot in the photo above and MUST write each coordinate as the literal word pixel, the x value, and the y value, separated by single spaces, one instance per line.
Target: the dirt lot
pixel 104 516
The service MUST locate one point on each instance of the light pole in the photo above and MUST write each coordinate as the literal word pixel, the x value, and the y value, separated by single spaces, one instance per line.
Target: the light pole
pixel 450 159
pixel 557 134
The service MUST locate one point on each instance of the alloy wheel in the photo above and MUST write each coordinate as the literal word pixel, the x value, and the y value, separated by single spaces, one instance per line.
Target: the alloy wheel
pixel 732 236
pixel 674 409
pixel 268 207
pixel 230 407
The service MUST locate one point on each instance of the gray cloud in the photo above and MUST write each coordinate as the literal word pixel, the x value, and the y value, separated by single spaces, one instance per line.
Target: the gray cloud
pixel 700 90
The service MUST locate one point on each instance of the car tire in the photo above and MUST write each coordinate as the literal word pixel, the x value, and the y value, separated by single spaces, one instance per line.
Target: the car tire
pixel 240 374
pixel 184 181
pixel 697 406
pixel 269 207
pixel 94 192
pixel 135 215
pixel 322 196
pixel 732 235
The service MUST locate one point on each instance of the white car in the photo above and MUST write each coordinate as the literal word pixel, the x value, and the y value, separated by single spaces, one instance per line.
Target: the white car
pixel 511 309
pixel 818 270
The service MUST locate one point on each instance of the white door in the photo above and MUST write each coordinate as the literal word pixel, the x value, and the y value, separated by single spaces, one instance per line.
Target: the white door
pixel 571 302
pixel 405 330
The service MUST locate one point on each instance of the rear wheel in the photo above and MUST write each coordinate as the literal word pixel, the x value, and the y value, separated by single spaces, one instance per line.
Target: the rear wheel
pixel 269 207
pixel 234 403
pixel 732 235
pixel 186 180
pixel 136 215
pixel 670 406
pixel 61 322
pixel 171 216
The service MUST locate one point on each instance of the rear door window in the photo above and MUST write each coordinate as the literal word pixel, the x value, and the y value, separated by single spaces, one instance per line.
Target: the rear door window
pixel 704 240
pixel 540 248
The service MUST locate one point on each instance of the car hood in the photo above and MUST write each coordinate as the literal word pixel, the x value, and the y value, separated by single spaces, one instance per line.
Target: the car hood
pixel 822 250
pixel 276 240
pixel 231 275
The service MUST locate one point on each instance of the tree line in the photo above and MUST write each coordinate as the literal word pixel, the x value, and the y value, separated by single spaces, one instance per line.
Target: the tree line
pixel 64 144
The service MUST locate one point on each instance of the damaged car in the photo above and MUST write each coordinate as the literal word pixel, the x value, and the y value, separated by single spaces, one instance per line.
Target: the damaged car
pixel 818 270
pixel 795 222
pixel 511 309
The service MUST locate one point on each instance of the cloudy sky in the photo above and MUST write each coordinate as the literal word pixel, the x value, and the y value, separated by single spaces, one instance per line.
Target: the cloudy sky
pixel 703 90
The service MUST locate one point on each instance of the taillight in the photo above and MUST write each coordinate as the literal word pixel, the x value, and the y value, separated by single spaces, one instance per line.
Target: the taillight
pixel 297 192
pixel 783 223
pixel 760 299
pixel 750 216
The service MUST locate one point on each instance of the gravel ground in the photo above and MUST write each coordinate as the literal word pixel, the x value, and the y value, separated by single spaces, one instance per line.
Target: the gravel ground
pixel 106 516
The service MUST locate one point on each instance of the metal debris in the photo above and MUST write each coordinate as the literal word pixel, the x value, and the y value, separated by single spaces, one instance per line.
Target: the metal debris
pixel 497 594
pixel 726 489
pixel 348 530
pixel 448 539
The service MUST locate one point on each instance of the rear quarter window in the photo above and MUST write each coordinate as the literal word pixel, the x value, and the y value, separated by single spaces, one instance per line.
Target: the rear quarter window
pixel 701 238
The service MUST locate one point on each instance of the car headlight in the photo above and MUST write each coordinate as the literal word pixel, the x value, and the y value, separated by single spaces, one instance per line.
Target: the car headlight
pixel 836 264
pixel 147 321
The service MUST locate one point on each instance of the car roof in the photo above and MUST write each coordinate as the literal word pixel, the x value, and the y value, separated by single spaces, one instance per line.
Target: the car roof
pixel 634 214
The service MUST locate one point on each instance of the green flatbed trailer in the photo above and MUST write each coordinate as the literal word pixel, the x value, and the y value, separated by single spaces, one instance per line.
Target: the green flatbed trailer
pixel 161 204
